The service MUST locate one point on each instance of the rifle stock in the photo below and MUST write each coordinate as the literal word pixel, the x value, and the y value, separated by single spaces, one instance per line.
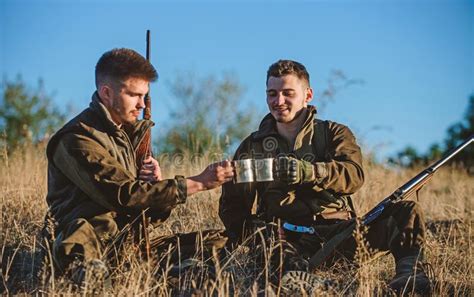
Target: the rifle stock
pixel 403 192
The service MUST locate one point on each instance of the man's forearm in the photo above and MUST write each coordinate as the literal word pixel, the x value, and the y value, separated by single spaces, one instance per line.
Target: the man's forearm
pixel 194 185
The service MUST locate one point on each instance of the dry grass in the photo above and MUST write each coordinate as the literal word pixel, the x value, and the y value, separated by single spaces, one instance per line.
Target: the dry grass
pixel 446 201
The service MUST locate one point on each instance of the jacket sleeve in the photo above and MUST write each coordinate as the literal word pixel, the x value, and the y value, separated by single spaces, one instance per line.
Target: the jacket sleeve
pixel 343 172
pixel 236 201
pixel 95 172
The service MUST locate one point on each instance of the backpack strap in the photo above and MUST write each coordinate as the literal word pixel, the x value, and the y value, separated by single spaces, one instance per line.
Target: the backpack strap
pixel 320 139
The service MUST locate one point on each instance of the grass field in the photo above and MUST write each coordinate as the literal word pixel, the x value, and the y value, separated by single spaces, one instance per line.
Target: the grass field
pixel 446 201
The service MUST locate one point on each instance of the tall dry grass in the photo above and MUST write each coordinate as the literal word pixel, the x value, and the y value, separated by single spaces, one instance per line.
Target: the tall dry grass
pixel 446 201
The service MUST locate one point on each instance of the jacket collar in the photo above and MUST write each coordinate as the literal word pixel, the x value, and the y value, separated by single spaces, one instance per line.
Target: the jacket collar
pixel 135 131
pixel 99 108
pixel 268 124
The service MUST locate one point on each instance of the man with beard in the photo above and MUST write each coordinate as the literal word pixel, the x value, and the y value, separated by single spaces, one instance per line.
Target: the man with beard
pixel 318 166
pixel 97 194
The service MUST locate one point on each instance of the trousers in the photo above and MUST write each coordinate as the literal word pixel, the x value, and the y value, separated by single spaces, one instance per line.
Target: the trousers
pixel 399 230
pixel 101 237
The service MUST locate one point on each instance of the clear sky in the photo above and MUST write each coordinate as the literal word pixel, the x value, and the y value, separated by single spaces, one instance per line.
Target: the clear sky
pixel 416 58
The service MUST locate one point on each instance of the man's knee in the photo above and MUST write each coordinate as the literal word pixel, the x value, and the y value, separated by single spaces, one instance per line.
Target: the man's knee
pixel 76 241
pixel 105 227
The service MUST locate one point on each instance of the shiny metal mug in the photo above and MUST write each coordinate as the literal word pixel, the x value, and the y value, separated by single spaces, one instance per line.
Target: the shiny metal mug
pixel 243 171
pixel 263 169
pixel 250 170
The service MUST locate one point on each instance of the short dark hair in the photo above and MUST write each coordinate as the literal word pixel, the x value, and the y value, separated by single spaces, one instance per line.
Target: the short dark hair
pixel 285 67
pixel 120 64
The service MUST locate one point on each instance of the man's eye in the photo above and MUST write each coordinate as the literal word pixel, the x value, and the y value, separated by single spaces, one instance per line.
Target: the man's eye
pixel 271 94
pixel 289 93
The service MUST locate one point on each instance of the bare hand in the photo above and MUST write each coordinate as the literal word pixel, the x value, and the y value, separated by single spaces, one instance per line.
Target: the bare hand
pixel 150 171
pixel 216 174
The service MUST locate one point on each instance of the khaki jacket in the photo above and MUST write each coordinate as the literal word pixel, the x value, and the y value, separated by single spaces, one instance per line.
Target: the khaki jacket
pixel 339 173
pixel 92 172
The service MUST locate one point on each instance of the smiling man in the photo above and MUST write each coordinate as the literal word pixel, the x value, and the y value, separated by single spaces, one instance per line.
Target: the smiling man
pixel 95 188
pixel 318 165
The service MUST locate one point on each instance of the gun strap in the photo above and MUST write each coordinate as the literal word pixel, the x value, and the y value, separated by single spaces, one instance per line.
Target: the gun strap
pixel 329 248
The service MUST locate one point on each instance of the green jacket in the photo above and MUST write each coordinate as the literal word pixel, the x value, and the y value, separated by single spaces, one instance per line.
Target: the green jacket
pixel 339 174
pixel 92 171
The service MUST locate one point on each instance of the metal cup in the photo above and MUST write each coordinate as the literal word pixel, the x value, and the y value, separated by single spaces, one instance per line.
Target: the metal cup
pixel 264 169
pixel 243 171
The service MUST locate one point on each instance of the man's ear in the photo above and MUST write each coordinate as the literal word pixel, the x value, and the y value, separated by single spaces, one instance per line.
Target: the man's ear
pixel 308 95
pixel 105 94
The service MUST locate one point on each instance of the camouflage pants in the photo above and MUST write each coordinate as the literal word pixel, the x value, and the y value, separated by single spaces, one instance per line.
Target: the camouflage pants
pixel 400 229
pixel 100 238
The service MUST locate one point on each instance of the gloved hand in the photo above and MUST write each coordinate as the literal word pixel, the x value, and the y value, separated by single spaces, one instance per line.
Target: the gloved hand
pixel 292 171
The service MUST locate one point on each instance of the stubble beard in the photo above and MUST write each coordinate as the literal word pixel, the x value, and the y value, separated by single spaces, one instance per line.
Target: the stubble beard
pixel 125 117
pixel 295 118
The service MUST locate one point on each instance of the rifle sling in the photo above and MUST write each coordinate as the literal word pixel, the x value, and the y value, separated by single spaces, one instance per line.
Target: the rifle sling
pixel 329 248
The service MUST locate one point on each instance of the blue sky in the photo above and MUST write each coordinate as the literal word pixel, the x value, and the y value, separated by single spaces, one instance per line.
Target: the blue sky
pixel 416 58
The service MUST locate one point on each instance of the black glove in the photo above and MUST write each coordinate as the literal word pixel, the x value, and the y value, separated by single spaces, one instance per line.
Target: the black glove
pixel 292 171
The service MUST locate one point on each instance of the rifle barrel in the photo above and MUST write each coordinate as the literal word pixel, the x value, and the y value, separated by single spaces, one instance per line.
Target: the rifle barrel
pixel 452 153
pixel 147 109
pixel 148 45
pixel 422 176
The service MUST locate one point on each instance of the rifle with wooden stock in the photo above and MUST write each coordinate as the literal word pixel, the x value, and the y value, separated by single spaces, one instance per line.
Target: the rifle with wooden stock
pixel 144 149
pixel 404 192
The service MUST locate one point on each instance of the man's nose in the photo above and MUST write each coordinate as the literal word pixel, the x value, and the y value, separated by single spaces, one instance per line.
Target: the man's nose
pixel 280 99
pixel 141 102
